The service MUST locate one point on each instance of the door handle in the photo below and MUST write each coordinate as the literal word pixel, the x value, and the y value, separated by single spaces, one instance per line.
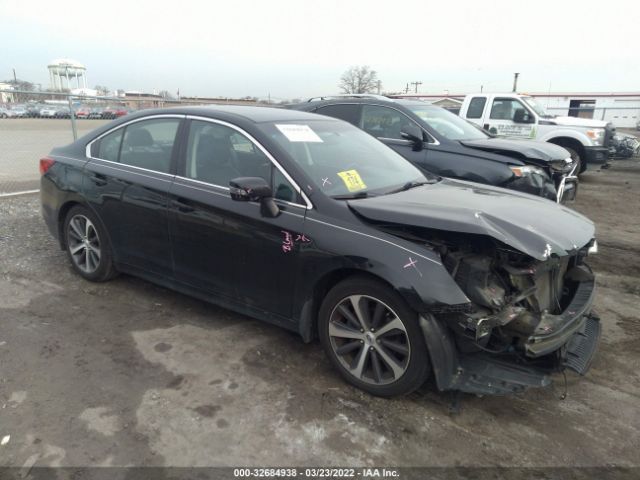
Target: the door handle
pixel 182 207
pixel 98 179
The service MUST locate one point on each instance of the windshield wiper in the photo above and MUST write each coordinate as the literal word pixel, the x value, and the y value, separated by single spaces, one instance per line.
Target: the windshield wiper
pixel 408 186
pixel 351 196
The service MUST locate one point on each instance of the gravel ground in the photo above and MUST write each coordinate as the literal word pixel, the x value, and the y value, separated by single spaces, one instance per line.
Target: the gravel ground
pixel 127 373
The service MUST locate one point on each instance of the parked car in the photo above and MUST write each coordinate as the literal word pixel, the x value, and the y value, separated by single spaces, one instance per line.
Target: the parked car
pixel 63 112
pixel 4 112
pixel 515 115
pixel 33 110
pixel 83 112
pixel 48 112
pixel 114 112
pixel 19 112
pixel 440 142
pixel 309 223
pixel 96 113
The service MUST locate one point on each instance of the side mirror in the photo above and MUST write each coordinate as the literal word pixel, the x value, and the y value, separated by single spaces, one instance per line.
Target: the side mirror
pixel 254 189
pixel 521 116
pixel 413 133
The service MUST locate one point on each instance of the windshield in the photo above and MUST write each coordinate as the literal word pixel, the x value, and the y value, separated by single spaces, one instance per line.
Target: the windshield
pixel 447 124
pixel 343 160
pixel 536 107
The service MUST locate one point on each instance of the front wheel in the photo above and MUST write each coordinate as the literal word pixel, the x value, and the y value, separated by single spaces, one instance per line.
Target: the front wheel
pixel 575 156
pixel 88 246
pixel 373 338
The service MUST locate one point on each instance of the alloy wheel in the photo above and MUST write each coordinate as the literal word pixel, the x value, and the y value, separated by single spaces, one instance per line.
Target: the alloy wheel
pixel 84 244
pixel 369 340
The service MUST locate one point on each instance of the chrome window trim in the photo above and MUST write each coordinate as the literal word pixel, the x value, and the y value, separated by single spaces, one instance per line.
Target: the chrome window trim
pixel 271 158
pixel 120 165
pixel 122 125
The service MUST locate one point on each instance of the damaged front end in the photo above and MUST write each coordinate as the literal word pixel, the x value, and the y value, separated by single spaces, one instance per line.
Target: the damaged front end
pixel 525 319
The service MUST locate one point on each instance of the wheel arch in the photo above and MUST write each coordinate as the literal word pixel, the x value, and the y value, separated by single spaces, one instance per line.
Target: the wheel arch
pixel 64 211
pixel 309 315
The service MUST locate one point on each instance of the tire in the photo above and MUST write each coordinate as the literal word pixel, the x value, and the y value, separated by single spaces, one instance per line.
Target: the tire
pixel 87 245
pixel 576 157
pixel 387 356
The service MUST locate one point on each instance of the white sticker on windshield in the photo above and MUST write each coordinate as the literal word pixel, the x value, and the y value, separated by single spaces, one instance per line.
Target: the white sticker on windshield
pixel 299 133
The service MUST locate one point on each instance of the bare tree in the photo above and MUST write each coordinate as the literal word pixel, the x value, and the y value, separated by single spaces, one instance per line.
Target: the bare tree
pixel 165 94
pixel 359 79
pixel 102 90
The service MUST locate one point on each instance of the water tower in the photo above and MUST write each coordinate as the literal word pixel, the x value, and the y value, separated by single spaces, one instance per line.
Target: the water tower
pixel 64 72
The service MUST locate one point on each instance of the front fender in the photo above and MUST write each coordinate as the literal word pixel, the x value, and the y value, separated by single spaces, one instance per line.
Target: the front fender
pixel 415 271
pixel 566 133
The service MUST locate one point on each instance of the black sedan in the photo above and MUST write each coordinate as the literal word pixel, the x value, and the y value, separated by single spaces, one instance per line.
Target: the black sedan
pixel 311 224
pixel 438 141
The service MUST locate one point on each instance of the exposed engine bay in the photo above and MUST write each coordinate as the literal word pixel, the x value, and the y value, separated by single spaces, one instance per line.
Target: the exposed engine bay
pixel 520 309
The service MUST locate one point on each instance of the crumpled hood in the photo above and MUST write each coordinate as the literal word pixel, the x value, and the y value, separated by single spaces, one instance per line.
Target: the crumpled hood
pixel 529 148
pixel 532 225
pixel 579 122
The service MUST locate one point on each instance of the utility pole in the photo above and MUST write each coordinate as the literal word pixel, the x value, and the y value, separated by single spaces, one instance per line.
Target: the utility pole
pixel 406 90
pixel 379 86
pixel 15 79
pixel 481 87
pixel 515 81
pixel 416 85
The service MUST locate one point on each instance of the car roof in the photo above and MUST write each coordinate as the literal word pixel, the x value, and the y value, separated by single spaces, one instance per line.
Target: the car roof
pixel 238 112
pixel 373 100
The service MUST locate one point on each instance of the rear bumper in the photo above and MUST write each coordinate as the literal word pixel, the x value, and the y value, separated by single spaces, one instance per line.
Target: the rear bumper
pixel 596 154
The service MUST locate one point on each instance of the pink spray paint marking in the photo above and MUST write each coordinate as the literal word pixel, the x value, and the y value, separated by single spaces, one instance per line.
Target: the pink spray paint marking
pixel 413 263
pixel 288 242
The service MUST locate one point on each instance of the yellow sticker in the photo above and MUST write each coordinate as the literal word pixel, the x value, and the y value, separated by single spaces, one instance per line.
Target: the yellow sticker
pixel 352 180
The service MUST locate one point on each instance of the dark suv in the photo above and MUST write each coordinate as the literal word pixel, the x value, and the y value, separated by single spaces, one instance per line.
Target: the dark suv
pixel 437 141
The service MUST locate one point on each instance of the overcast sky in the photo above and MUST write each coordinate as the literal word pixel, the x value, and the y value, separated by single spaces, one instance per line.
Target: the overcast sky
pixel 298 48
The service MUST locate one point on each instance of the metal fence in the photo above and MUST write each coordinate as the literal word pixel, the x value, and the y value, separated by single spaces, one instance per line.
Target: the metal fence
pixel 32 123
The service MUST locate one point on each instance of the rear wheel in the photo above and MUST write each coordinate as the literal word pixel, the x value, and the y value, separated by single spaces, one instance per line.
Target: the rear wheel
pixel 88 246
pixel 373 338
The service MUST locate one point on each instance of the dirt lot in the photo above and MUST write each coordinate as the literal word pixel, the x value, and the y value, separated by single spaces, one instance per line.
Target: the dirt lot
pixel 127 373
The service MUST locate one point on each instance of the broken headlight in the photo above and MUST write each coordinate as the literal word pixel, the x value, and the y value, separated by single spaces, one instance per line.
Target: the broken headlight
pixel 527 170
pixel 564 166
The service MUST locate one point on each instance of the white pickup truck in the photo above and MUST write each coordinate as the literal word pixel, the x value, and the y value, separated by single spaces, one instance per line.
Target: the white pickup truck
pixel 519 116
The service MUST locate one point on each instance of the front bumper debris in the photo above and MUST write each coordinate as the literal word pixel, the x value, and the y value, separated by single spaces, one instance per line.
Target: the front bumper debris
pixel 554 331
pixel 582 346
pixel 567 340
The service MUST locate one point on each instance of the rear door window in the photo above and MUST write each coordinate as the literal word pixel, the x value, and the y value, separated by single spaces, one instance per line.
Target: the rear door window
pixel 346 112
pixel 148 144
pixel 108 147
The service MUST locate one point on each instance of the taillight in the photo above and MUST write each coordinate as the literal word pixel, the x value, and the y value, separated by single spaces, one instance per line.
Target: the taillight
pixel 45 164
